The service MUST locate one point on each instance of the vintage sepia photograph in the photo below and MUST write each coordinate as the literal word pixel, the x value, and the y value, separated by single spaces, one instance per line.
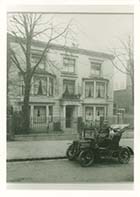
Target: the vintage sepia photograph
pixel 70 95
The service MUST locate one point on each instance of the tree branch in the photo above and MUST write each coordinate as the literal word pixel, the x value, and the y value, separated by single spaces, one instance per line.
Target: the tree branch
pixel 118 68
pixel 15 19
pixel 40 32
pixel 47 47
pixel 16 62
pixel 19 42
pixel 122 63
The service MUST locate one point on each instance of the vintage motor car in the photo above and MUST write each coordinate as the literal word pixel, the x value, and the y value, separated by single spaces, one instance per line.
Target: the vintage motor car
pixel 100 145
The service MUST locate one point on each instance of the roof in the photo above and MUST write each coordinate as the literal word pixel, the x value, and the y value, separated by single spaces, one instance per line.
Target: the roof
pixel 75 50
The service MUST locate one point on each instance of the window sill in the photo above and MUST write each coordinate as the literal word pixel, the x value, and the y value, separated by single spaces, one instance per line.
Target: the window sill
pixel 42 96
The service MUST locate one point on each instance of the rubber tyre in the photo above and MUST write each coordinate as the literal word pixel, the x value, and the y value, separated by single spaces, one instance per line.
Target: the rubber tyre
pixel 71 152
pixel 124 155
pixel 86 158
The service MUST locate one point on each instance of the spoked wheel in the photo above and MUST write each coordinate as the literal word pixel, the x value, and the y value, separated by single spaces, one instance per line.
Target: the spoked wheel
pixel 71 152
pixel 86 158
pixel 124 156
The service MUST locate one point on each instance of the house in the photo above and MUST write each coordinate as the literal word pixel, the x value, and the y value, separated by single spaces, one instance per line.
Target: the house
pixel 69 83
pixel 123 98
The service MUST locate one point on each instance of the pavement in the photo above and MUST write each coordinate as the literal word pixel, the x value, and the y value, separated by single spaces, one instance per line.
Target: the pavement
pixel 35 150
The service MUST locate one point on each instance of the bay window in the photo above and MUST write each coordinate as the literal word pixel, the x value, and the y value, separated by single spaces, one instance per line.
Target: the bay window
pixel 100 111
pixel 89 89
pixel 89 113
pixel 100 89
pixel 43 86
pixel 51 86
pixel 39 114
pixel 40 85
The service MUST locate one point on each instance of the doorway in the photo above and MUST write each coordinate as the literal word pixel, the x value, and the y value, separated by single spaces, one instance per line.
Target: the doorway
pixel 69 116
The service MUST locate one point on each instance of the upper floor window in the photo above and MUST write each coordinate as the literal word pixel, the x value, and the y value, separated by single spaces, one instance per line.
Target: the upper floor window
pixel 69 87
pixel 69 65
pixel 95 68
pixel 100 89
pixel 89 89
pixel 51 86
pixel 44 86
pixel 40 86
pixel 35 60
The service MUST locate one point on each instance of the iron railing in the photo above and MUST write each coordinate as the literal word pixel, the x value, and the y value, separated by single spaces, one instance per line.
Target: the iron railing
pixel 57 123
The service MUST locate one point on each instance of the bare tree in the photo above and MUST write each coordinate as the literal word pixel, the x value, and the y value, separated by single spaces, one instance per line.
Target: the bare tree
pixel 124 60
pixel 28 27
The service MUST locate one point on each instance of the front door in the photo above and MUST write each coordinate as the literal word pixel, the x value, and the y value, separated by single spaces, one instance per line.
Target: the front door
pixel 69 116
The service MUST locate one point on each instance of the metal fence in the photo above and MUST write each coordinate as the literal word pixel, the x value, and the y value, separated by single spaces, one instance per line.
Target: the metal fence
pixel 126 119
pixel 59 123
pixel 56 124
pixel 49 124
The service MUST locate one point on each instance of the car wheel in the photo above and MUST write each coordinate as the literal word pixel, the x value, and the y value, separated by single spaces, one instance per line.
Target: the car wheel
pixel 124 155
pixel 71 152
pixel 86 158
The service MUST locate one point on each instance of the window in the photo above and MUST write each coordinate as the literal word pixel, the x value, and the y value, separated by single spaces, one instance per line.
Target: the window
pixel 95 68
pixel 51 86
pixel 39 114
pixel 100 89
pixel 40 86
pixel 100 111
pixel 89 89
pixel 89 113
pixel 36 58
pixel 69 87
pixel 69 65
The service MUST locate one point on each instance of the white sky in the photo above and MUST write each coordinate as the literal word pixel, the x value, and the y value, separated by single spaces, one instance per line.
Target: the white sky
pixel 101 32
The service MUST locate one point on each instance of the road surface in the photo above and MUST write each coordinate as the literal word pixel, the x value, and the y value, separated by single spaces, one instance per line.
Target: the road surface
pixel 64 171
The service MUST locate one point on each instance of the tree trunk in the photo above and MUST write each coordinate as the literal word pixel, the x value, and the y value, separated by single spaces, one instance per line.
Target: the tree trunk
pixel 26 109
